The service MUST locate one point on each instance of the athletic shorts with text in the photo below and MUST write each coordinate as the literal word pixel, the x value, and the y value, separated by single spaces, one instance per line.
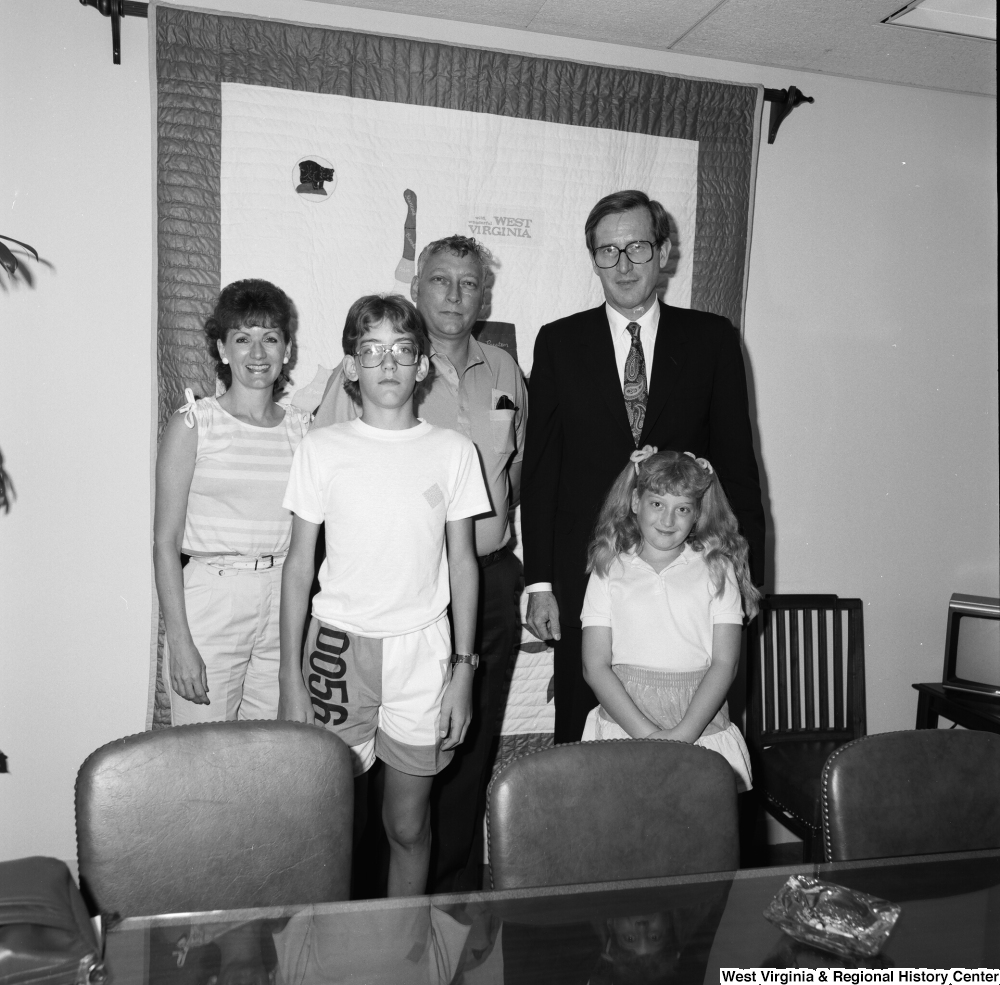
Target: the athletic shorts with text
pixel 381 696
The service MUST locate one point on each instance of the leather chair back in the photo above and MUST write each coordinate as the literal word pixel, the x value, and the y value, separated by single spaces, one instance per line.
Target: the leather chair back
pixel 912 793
pixel 603 811
pixel 218 816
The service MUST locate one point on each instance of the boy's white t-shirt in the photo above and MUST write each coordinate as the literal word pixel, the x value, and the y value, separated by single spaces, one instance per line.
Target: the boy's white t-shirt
pixel 385 497
pixel 662 621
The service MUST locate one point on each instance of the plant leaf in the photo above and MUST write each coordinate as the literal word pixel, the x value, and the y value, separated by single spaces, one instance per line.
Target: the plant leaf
pixel 30 249
pixel 7 259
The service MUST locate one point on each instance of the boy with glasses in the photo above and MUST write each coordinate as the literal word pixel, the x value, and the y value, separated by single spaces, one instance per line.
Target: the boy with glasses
pixel 478 391
pixel 378 667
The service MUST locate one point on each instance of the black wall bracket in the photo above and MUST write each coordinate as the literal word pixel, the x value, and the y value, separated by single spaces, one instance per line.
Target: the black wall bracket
pixel 782 101
pixel 116 10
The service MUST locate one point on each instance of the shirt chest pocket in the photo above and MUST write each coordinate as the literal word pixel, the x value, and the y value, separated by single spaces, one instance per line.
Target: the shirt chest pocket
pixel 502 422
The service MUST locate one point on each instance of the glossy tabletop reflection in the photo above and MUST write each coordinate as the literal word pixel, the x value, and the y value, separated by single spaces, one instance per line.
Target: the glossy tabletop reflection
pixel 679 930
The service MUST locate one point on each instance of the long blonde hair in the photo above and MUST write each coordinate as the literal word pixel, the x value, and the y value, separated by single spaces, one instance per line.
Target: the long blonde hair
pixel 715 534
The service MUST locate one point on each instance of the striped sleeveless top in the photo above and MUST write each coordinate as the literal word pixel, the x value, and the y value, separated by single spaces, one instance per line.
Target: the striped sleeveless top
pixel 240 474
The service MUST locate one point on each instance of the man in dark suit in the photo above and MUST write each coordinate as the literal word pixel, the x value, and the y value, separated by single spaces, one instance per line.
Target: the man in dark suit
pixel 604 382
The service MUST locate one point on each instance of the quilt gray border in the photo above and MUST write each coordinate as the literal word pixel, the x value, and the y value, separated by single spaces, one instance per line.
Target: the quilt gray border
pixel 197 51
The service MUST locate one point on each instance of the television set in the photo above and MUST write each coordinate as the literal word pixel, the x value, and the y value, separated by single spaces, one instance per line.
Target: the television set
pixel 972 647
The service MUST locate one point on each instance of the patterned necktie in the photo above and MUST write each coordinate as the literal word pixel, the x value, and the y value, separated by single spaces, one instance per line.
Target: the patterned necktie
pixel 634 386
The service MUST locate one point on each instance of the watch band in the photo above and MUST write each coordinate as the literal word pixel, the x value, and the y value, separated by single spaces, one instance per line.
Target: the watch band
pixel 472 659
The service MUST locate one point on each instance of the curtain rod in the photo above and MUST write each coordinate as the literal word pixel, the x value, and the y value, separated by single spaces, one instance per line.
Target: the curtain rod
pixel 116 10
pixel 782 101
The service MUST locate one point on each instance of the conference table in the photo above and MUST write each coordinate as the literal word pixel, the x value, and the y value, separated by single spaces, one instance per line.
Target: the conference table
pixel 679 929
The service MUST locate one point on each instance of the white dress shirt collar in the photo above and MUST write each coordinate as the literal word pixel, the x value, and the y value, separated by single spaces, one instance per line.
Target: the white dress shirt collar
pixel 621 337
pixel 619 323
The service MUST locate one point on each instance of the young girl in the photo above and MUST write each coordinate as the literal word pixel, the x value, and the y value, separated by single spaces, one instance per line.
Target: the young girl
pixel 662 615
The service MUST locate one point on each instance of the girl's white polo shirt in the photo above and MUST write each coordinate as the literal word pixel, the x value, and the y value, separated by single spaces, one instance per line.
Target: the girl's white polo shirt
pixel 663 621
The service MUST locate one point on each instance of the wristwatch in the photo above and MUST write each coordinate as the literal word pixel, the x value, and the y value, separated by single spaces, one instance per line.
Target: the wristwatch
pixel 472 659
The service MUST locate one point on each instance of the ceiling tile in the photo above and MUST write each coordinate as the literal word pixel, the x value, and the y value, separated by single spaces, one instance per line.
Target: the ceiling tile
pixel 836 37
pixel 641 23
pixel 845 37
pixel 495 13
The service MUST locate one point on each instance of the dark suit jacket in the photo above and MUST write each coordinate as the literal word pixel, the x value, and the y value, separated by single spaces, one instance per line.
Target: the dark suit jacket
pixel 578 437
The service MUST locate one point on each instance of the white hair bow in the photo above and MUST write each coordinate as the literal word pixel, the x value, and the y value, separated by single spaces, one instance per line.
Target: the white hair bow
pixel 703 462
pixel 641 454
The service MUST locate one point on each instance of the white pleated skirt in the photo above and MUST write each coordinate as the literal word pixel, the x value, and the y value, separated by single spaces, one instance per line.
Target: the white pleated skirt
pixel 664 696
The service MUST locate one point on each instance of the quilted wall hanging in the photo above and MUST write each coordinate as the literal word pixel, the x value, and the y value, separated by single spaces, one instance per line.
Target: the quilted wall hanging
pixel 325 160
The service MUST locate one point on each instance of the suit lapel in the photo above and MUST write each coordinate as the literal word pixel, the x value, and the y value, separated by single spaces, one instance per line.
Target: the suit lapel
pixel 602 368
pixel 669 355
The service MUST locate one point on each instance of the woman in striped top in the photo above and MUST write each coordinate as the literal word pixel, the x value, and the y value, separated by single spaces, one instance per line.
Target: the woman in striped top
pixel 221 473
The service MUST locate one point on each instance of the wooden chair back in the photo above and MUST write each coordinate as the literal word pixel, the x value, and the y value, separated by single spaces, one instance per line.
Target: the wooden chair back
pixel 806 677
pixel 806 656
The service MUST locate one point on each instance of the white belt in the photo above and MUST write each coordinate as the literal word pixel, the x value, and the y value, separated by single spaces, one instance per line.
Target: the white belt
pixel 239 562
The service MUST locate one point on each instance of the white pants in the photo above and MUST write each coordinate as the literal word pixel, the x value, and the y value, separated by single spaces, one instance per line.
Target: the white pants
pixel 233 618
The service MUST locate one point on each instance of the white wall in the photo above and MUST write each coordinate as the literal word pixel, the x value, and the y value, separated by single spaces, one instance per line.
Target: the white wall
pixel 872 329
pixel 871 332
pixel 75 408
